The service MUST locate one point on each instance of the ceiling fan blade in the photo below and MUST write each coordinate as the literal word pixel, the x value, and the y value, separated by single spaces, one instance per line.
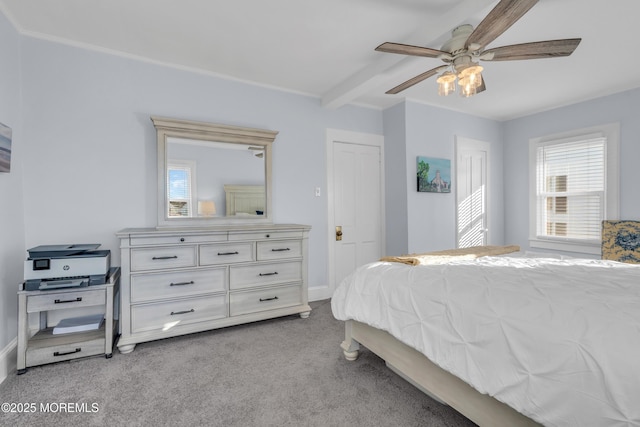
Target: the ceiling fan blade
pixel 503 16
pixel 482 86
pixel 405 49
pixel 416 80
pixel 545 49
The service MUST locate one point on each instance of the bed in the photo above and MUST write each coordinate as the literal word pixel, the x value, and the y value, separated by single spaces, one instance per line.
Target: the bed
pixel 244 200
pixel 506 339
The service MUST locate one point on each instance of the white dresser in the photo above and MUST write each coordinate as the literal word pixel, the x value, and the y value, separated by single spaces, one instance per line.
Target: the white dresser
pixel 176 282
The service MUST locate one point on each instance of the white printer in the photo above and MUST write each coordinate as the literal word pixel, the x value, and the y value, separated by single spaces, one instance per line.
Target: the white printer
pixel 66 266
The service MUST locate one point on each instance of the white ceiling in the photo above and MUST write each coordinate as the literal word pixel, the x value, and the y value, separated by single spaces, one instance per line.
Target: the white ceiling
pixel 325 48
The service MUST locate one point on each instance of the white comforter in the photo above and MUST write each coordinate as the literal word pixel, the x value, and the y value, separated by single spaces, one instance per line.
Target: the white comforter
pixel 558 340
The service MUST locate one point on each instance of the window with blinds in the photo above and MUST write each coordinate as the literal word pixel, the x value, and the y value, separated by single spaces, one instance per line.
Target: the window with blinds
pixel 570 189
pixel 574 186
pixel 179 191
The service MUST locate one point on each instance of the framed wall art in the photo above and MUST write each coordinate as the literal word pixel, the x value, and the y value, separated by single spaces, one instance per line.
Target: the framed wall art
pixel 433 175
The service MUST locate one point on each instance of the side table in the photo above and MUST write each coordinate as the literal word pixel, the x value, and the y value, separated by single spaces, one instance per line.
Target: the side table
pixel 45 347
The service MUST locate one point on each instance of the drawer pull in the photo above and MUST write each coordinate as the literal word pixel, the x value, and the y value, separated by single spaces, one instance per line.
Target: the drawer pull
pixel 173 313
pixel 57 353
pixel 268 274
pixel 268 299
pixel 280 250
pixel 165 257
pixel 228 253
pixel 63 301
pixel 191 282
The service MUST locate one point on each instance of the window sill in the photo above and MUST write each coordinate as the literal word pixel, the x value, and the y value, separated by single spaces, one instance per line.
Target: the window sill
pixel 585 248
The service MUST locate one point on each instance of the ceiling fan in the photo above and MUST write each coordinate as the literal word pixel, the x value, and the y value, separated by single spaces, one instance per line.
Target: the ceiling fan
pixel 466 48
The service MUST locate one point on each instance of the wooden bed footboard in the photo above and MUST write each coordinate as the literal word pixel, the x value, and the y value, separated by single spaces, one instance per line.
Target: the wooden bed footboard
pixel 416 368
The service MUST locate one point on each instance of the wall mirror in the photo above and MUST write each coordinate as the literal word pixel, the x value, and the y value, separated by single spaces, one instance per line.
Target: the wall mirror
pixel 210 174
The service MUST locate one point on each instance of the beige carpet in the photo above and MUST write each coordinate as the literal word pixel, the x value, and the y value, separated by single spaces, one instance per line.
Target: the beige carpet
pixel 281 372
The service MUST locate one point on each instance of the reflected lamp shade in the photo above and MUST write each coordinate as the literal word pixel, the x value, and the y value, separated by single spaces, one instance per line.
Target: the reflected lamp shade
pixel 206 208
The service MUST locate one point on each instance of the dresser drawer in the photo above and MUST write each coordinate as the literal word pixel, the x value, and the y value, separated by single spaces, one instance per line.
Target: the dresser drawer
pixel 58 351
pixel 248 276
pixel 155 286
pixel 165 315
pixel 178 239
pixel 226 253
pixel 65 300
pixel 162 258
pixel 244 302
pixel 269 250
pixel 262 235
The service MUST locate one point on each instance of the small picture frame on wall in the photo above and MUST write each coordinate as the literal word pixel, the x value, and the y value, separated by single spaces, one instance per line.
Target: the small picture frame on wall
pixel 5 148
pixel 433 175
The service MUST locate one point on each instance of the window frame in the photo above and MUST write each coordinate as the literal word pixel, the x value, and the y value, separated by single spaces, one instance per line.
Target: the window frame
pixel 191 167
pixel 611 132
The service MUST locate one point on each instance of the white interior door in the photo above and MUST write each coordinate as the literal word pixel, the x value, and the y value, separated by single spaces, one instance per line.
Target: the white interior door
pixel 471 192
pixel 356 205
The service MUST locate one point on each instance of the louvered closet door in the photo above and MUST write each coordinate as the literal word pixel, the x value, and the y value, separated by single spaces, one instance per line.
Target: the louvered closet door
pixel 471 193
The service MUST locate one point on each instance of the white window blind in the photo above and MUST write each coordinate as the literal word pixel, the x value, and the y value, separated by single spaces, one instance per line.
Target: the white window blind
pixel 570 189
pixel 179 191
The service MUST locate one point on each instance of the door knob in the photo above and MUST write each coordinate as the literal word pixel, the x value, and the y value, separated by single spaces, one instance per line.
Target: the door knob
pixel 338 232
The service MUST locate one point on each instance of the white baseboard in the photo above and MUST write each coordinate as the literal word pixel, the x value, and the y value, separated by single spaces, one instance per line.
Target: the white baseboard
pixel 8 357
pixel 317 293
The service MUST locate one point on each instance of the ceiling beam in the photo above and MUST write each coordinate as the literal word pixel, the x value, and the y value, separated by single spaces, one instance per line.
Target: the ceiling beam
pixel 387 65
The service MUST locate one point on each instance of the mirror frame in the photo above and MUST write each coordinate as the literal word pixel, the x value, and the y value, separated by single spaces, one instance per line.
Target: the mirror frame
pixel 201 131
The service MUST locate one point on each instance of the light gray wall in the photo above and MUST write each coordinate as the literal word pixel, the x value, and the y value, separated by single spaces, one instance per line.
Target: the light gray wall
pixel 431 132
pixel 88 131
pixel 622 108
pixel 12 241
pixel 395 171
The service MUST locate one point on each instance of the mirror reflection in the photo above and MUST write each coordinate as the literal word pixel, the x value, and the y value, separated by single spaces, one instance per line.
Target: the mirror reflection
pixel 214 179
pixel 212 174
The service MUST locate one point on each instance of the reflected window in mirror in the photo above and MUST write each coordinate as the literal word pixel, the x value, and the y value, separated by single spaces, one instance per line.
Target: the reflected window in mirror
pixel 180 181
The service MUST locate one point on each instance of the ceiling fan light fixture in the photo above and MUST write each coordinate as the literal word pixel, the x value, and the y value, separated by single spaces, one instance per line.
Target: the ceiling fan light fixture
pixel 467 46
pixel 446 83
pixel 473 73
pixel 467 87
